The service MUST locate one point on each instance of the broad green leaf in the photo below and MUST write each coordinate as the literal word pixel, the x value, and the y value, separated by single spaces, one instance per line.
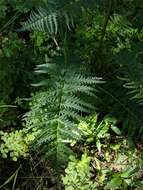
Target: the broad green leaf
pixel 116 130
pixel 114 183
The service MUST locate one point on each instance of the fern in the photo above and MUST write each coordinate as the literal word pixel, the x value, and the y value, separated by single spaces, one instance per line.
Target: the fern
pixel 56 14
pixel 132 75
pixel 120 32
pixel 135 89
pixel 42 21
pixel 134 85
pixel 55 110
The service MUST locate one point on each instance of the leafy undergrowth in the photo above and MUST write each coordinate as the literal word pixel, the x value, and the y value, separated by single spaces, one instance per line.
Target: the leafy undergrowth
pixel 88 57
pixel 103 159
pixel 108 161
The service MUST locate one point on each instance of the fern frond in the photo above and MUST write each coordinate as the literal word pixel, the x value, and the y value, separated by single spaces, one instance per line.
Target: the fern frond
pixel 55 14
pixel 55 111
pixel 48 20
pixel 135 89
pixel 132 77
pixel 42 21
pixel 118 24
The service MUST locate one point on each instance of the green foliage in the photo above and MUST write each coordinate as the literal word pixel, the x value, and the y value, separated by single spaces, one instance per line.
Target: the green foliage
pixel 93 132
pixel 43 45
pixel 3 8
pixel 78 174
pixel 23 5
pixel 10 45
pixel 16 144
pixel 88 36
pixel 55 110
pixel 119 36
pixel 121 32
pixel 116 165
pixel 120 171
pixel 54 15
pixel 8 114
pixel 16 62
pixel 105 38
pixel 119 60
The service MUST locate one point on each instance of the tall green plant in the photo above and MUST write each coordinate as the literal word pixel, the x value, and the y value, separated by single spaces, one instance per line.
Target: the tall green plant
pixel 56 109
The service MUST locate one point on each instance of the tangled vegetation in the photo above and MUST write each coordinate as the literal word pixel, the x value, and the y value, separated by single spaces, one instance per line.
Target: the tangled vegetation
pixel 71 94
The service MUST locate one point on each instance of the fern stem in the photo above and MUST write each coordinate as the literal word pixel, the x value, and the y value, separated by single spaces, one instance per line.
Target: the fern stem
pixel 65 48
pixel 9 22
pixel 105 23
pixel 57 134
pixel 56 43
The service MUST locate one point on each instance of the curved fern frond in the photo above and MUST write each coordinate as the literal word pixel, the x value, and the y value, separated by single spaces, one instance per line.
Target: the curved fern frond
pixel 135 89
pixel 133 78
pixel 42 21
pixel 56 14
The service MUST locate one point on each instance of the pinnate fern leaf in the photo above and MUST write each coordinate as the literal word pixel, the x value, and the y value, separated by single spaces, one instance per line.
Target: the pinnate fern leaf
pixel 55 111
